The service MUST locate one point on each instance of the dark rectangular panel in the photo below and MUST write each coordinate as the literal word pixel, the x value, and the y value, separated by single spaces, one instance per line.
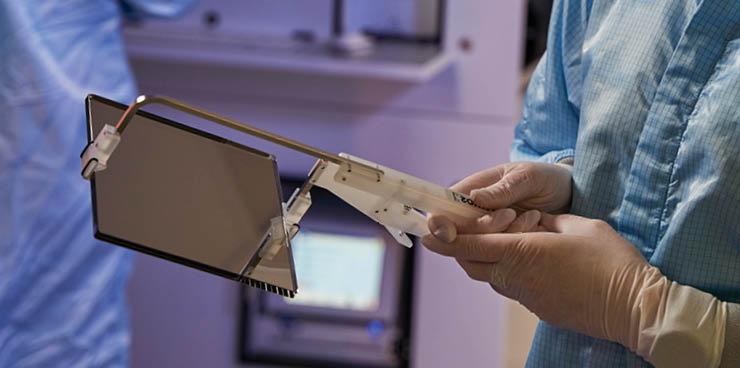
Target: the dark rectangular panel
pixel 187 196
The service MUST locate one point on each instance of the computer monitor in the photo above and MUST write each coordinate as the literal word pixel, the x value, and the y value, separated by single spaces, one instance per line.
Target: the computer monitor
pixel 354 299
pixel 339 271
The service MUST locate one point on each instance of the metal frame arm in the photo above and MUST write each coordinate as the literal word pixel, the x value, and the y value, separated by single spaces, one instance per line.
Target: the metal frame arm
pixel 94 157
pixel 144 100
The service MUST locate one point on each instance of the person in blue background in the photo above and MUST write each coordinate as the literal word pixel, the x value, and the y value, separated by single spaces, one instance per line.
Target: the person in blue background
pixel 630 123
pixel 62 301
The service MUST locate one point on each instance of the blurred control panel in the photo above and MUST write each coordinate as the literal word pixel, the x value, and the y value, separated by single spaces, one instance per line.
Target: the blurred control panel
pixel 353 306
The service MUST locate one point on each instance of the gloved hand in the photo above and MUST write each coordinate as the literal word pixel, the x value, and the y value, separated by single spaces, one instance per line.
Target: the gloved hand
pixel 583 276
pixel 529 186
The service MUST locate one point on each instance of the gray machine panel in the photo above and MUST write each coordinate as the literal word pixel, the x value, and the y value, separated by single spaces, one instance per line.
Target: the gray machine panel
pixel 188 196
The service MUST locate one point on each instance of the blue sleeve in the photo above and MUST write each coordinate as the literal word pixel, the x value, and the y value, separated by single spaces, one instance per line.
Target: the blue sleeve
pixel 548 127
pixel 155 8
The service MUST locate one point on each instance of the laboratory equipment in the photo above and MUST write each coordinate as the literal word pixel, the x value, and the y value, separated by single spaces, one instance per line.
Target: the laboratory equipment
pixel 381 39
pixel 175 195
pixel 355 299
pixel 189 197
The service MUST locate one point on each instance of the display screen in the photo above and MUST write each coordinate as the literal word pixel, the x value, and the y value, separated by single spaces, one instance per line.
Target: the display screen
pixel 337 270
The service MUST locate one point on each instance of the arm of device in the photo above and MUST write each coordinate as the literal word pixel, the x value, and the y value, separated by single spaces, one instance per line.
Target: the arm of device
pixel 390 197
pixel 393 199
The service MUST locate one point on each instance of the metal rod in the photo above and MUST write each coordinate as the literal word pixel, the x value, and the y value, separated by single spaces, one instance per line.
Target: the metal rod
pixel 144 100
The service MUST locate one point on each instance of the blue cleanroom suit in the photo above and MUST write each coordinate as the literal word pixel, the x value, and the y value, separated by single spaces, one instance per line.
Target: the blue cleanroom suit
pixel 644 96
pixel 62 298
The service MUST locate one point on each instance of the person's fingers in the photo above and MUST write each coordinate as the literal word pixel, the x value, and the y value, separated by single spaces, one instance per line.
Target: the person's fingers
pixel 480 179
pixel 494 222
pixel 512 188
pixel 571 224
pixel 480 271
pixel 479 248
pixel 442 228
pixel 497 274
pixel 526 222
pixel 437 245
pixel 552 223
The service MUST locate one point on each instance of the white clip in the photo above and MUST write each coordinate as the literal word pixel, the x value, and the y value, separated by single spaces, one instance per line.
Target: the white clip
pixel 296 207
pixel 276 239
pixel 96 154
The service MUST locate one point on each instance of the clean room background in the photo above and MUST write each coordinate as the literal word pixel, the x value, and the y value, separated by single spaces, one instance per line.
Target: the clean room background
pixel 442 113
